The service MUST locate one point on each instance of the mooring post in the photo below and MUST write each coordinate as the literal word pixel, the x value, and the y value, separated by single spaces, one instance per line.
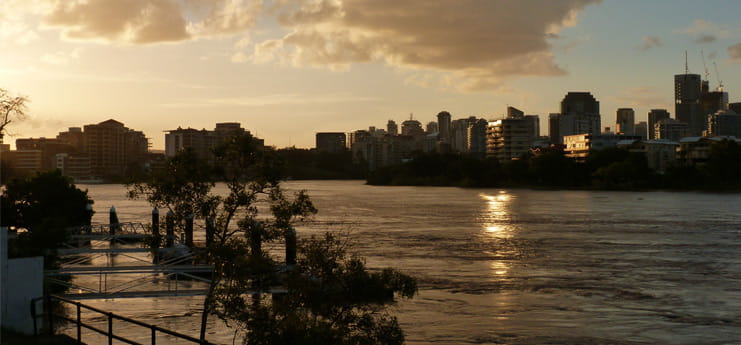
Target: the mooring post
pixel 291 247
pixel 88 223
pixel 256 248
pixel 79 323
pixel 113 223
pixel 170 229
pixel 156 238
pixel 210 229
pixel 256 238
pixel 189 230
pixel 155 222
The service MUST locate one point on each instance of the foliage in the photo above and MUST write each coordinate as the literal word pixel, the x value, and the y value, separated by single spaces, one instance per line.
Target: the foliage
pixel 251 174
pixel 182 187
pixel 312 164
pixel 723 167
pixel 45 205
pixel 552 169
pixel 609 168
pixel 440 170
pixel 331 298
pixel 614 168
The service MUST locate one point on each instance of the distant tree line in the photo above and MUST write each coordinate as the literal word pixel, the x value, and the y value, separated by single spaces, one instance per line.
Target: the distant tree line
pixel 305 164
pixel 607 169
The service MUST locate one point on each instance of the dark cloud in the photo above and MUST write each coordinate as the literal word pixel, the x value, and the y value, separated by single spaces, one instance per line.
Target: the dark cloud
pixel 707 38
pixel 735 52
pixel 479 41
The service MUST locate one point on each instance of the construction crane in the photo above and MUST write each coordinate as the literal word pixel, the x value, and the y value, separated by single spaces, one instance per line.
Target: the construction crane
pixel 720 82
pixel 707 74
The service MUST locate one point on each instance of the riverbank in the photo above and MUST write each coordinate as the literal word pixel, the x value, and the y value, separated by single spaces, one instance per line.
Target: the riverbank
pixel 604 170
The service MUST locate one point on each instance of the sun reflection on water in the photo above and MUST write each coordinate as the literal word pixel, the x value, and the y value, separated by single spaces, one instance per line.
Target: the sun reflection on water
pixel 497 226
pixel 496 215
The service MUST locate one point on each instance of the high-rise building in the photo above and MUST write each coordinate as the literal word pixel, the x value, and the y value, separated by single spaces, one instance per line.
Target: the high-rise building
pixel 654 116
pixel 641 130
pixel 75 166
pixel 625 121
pixel 392 128
pixel 49 148
pixel 578 146
pixel 580 103
pixel 511 137
pixel 736 107
pixel 688 109
pixel 724 123
pixel 514 113
pixel 459 134
pixel 332 142
pixel 202 141
pixel 73 137
pixel 554 128
pixel 713 101
pixel 228 128
pixel 477 138
pixel 412 127
pixel 443 124
pixel 671 129
pixel 378 151
pixel 188 138
pixel 112 147
pixel 357 136
pixel 579 114
pixel 432 127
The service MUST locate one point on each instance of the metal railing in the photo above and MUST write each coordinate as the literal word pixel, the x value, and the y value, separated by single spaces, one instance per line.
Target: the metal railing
pixel 51 318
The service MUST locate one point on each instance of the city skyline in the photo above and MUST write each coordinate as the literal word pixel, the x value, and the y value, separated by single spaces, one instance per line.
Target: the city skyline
pixel 289 70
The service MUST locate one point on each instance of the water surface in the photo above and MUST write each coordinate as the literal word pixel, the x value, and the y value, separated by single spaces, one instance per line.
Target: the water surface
pixel 506 266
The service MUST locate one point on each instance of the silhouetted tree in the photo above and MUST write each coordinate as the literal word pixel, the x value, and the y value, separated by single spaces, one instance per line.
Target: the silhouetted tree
pixel 252 176
pixel 553 169
pixel 330 298
pixel 45 205
pixel 723 167
pixel 12 109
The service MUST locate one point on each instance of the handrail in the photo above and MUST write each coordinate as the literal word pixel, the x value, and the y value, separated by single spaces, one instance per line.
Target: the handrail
pixel 50 315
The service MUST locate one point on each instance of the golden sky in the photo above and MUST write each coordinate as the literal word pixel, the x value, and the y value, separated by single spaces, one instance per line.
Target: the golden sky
pixel 287 69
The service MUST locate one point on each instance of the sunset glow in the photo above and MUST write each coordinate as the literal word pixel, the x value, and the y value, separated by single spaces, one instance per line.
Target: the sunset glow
pixel 289 69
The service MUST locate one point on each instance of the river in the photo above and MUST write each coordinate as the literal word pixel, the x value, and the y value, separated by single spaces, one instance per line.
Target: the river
pixel 518 266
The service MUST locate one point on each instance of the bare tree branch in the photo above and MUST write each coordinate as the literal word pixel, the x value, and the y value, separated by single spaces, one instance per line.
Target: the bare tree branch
pixel 12 109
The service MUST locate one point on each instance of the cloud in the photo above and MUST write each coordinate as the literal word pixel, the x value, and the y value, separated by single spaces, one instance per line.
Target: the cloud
pixel 734 52
pixel 224 17
pixel 60 57
pixel 706 38
pixel 478 42
pixel 650 42
pixel 130 21
pixel 239 57
pixel 150 21
pixel 707 32
pixel 13 26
